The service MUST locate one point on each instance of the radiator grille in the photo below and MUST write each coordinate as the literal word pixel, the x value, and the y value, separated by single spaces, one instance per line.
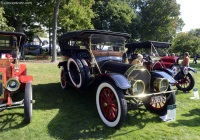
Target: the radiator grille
pixel 139 73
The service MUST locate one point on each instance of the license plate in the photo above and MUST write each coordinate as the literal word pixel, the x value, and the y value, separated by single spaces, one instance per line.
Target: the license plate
pixel 157 99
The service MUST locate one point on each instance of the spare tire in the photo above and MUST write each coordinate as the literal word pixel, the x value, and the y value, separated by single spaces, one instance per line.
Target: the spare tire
pixel 76 72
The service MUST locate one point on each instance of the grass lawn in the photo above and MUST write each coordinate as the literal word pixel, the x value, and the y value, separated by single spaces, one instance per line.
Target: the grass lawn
pixel 69 114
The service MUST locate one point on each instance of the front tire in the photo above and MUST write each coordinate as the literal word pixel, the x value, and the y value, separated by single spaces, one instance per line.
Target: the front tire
pixel 28 105
pixel 111 105
pixel 186 83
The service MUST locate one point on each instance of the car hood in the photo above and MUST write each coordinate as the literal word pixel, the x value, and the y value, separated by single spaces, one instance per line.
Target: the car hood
pixel 131 72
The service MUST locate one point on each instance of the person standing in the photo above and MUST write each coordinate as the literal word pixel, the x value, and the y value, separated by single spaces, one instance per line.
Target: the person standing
pixel 195 58
pixel 186 60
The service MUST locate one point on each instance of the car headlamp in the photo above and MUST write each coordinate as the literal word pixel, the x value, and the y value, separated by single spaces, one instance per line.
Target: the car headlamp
pixel 175 70
pixel 161 84
pixel 12 84
pixel 185 70
pixel 137 87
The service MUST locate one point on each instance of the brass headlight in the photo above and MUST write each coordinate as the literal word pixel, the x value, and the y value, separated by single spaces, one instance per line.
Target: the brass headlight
pixel 185 70
pixel 12 84
pixel 161 84
pixel 137 87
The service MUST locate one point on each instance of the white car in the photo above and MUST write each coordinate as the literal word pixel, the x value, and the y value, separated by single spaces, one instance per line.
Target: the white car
pixel 46 48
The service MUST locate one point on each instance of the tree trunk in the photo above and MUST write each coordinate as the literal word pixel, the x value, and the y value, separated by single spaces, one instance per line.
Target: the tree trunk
pixel 18 25
pixel 54 52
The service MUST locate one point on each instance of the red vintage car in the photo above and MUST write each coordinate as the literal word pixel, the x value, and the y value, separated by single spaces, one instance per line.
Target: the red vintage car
pixel 157 58
pixel 13 76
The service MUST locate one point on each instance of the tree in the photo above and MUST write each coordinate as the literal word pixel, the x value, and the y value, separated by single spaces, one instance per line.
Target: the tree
pixel 195 32
pixel 56 9
pixel 3 22
pixel 113 15
pixel 29 17
pixel 185 42
pixel 158 19
pixel 18 14
pixel 76 15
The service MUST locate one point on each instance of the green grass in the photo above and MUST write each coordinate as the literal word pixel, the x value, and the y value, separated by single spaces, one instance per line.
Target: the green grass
pixel 69 114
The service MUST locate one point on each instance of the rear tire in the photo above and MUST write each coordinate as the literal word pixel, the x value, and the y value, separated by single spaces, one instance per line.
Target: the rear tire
pixel 28 107
pixel 63 81
pixel 111 105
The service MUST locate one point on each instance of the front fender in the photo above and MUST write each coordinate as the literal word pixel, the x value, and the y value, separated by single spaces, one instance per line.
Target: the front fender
pixel 119 80
pixel 25 79
pixel 192 69
pixel 159 74
pixel 167 70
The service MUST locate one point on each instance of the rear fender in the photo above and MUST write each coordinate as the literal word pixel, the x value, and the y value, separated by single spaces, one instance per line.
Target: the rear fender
pixel 119 80
pixel 162 74
pixel 62 64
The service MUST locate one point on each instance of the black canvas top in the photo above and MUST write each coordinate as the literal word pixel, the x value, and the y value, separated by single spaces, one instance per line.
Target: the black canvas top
pixel 16 34
pixel 87 33
pixel 148 44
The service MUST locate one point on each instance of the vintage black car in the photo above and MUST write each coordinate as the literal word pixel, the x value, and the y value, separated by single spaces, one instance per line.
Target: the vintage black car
pixel 97 58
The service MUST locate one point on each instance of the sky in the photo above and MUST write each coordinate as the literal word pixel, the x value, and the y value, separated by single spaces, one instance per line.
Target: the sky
pixel 190 14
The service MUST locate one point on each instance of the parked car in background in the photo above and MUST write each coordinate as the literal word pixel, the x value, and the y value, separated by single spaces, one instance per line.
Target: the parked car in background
pixel 32 49
pixel 95 59
pixel 157 58
pixel 45 48
pixel 13 75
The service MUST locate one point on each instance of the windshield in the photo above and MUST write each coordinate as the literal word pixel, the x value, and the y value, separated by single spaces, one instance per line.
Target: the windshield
pixel 107 42
pixel 8 43
pixel 163 52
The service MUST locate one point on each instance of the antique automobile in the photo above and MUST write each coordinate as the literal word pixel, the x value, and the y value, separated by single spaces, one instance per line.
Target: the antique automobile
pixel 95 58
pixel 32 49
pixel 157 57
pixel 13 76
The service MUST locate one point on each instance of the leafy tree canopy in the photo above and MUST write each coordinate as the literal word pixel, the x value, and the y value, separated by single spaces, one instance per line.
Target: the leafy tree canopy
pixel 18 14
pixel 186 42
pixel 76 15
pixel 3 22
pixel 113 15
pixel 158 19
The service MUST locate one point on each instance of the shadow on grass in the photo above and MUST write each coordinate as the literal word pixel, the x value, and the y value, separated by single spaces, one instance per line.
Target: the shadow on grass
pixel 77 117
pixel 194 122
pixel 11 121
pixel 13 118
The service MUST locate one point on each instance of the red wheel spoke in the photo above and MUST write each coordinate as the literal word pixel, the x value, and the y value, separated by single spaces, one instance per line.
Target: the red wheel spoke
pixel 158 104
pixel 108 104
